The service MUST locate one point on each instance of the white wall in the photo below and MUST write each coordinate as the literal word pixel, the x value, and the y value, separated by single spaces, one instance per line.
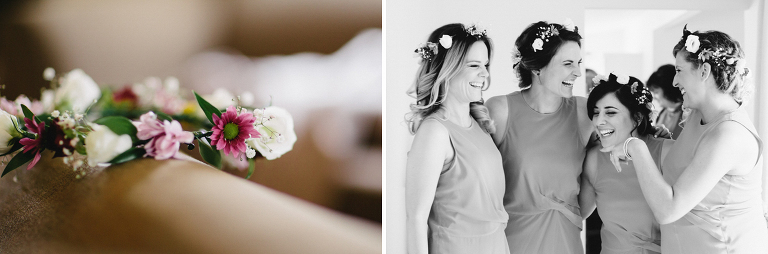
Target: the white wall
pixel 408 23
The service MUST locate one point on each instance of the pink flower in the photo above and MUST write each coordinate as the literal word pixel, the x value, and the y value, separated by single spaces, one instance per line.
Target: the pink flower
pixel 166 137
pixel 231 130
pixel 14 107
pixel 35 145
pixel 8 106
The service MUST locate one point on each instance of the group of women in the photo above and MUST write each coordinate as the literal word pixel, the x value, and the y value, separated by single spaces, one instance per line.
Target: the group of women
pixel 519 173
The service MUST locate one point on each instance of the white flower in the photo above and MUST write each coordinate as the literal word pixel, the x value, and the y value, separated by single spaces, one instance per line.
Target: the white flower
pixel 246 99
pixel 446 41
pixel 692 43
pixel 538 44
pixel 599 78
pixel 568 24
pixel 7 130
pixel 277 133
pixel 77 91
pixel 621 79
pixel 103 145
pixel 220 98
pixel 49 73
pixel 55 113
pixel 741 66
pixel 250 153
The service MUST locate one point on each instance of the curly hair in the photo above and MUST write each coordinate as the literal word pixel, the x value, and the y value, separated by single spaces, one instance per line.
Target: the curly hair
pixel 628 95
pixel 531 59
pixel 430 86
pixel 726 76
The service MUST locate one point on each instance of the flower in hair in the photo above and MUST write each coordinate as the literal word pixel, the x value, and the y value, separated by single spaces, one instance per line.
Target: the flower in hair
pixel 446 41
pixel 516 57
pixel 538 44
pixel 426 51
pixel 641 93
pixel 544 33
pixel 741 66
pixel 692 43
pixel 476 30
pixel 599 78
pixel 621 79
pixel 568 25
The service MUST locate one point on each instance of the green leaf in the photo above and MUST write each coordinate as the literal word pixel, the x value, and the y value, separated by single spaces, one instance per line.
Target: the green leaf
pixel 251 168
pixel 18 160
pixel 163 116
pixel 210 155
pixel 28 113
pixel 119 125
pixel 130 154
pixel 16 146
pixel 207 108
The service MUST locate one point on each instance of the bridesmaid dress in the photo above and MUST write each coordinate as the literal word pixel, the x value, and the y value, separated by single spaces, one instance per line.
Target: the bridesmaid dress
pixel 467 214
pixel 628 222
pixel 542 155
pixel 730 218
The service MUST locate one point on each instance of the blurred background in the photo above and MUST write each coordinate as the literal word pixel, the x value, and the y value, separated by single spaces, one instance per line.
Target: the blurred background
pixel 320 60
pixel 628 37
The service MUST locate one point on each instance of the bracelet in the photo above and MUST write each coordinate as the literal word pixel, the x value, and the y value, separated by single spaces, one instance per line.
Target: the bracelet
pixel 626 143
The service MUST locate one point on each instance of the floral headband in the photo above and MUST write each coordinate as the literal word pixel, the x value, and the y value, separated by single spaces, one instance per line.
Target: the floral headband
pixel 429 50
pixel 641 93
pixel 61 123
pixel 718 56
pixel 546 32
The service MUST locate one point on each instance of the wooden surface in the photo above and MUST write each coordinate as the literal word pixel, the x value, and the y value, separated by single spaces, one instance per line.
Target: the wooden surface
pixel 172 206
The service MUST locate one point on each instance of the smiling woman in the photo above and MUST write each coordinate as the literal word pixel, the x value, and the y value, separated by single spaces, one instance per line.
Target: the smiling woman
pixel 620 108
pixel 542 187
pixel 454 178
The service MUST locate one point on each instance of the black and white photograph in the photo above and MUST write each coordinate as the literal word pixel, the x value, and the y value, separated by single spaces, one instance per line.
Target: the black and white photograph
pixel 575 127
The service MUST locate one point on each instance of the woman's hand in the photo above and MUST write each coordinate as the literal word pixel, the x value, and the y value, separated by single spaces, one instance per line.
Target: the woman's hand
pixel 662 132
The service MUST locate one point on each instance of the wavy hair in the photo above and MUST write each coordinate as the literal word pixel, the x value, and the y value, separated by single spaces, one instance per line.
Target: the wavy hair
pixel 727 78
pixel 530 59
pixel 431 84
pixel 639 112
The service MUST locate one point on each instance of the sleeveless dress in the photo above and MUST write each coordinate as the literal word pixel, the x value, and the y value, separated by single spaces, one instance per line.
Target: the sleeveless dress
pixel 542 155
pixel 628 222
pixel 730 218
pixel 467 214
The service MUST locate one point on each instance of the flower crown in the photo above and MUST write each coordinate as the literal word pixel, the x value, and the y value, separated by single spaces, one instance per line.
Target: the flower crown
pixel 60 123
pixel 429 50
pixel 641 93
pixel 717 56
pixel 547 31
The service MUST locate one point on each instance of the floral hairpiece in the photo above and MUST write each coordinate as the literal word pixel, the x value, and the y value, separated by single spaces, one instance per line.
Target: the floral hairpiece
pixel 718 56
pixel 547 31
pixel 516 57
pixel 476 30
pixel 426 51
pixel 112 139
pixel 446 41
pixel 544 33
pixel 641 93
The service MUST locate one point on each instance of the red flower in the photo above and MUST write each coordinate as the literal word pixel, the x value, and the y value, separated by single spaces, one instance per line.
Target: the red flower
pixel 231 130
pixel 35 145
